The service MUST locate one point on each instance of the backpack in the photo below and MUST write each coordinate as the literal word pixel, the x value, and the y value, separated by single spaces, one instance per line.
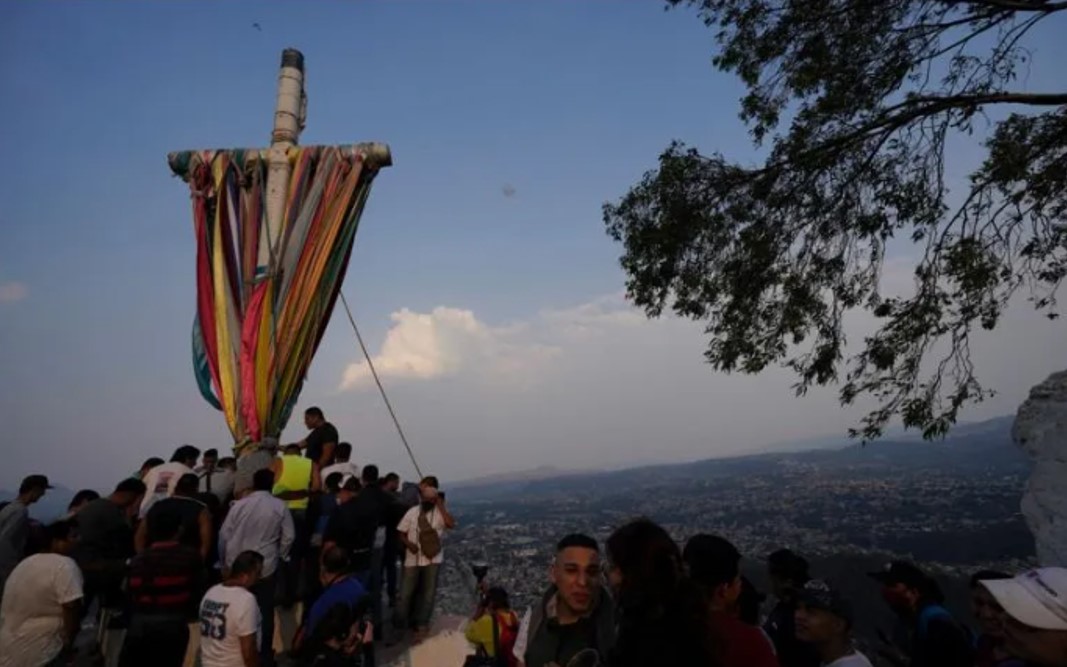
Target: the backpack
pixel 504 637
pixel 429 538
pixel 507 635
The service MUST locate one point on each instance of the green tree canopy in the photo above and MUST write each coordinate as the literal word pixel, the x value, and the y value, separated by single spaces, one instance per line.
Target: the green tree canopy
pixel 852 103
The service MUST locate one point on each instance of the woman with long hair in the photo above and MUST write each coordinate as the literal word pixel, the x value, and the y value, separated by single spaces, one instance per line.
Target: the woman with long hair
pixel 662 615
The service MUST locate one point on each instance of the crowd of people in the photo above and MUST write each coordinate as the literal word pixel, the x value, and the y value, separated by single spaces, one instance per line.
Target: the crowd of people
pixel 192 557
pixel 645 601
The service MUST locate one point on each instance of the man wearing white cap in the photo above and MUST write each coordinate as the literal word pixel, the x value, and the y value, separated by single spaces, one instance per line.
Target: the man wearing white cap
pixel 1036 605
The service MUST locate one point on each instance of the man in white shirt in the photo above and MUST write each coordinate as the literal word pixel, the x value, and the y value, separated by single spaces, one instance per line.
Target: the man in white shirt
pixel 40 614
pixel 208 461
pixel 230 622
pixel 161 480
pixel 261 523
pixel 421 532
pixel 824 620
pixel 342 464
pixel 220 481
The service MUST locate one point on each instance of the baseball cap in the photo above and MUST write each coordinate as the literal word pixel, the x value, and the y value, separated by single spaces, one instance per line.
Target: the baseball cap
pixel 35 482
pixel 901 572
pixel 818 594
pixel 1037 599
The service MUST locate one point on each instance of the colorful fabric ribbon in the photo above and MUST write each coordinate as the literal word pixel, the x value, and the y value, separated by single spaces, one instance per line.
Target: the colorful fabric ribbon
pixel 254 336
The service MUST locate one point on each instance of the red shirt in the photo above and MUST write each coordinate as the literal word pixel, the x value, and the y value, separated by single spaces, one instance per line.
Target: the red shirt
pixel 166 579
pixel 741 644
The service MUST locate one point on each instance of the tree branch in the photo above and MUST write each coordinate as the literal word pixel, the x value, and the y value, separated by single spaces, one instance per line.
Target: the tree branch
pixel 924 106
pixel 1020 5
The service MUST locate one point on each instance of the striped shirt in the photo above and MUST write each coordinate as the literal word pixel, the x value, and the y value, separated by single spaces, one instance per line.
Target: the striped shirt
pixel 166 579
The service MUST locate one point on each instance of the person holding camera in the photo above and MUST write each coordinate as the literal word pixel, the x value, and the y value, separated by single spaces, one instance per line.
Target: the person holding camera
pixel 493 630
pixel 421 531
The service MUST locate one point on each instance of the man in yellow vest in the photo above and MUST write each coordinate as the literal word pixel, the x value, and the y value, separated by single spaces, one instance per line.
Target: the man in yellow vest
pixel 296 479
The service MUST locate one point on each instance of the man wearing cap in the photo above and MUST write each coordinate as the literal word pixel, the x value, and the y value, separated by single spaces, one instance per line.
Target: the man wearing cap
pixel 1036 605
pixel 824 620
pixel 15 524
pixel 937 640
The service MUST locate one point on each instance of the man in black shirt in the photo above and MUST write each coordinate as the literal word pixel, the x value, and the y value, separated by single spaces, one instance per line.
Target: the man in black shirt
pixel 106 540
pixel 322 440
pixel 197 529
pixel 392 551
pixel 356 523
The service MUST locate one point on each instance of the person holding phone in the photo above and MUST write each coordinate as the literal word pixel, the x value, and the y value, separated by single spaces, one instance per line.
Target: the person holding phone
pixel 421 532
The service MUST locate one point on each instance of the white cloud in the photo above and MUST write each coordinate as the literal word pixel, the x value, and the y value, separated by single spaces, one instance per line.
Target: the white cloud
pixel 599 385
pixel 445 341
pixel 13 292
pixel 449 341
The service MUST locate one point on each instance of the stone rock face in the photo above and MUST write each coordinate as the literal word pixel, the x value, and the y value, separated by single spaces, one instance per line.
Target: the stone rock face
pixel 1041 429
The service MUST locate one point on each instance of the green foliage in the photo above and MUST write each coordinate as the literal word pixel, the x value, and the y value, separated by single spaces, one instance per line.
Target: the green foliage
pixel 854 102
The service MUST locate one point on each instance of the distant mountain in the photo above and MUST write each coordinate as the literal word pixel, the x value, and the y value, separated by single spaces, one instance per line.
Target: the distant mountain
pixel 530 475
pixel 974 447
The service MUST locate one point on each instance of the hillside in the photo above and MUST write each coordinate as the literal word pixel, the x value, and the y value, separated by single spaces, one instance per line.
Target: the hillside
pixel 975 448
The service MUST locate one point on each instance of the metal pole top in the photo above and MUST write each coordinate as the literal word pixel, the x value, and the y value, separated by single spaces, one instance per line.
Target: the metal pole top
pixel 293 58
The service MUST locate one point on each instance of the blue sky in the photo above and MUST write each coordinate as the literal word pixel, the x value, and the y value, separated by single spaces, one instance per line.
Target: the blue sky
pixel 516 297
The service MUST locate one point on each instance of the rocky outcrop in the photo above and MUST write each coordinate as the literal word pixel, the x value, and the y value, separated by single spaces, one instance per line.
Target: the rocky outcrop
pixel 1041 429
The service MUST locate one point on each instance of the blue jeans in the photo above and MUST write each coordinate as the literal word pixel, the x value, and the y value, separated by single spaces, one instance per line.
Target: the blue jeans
pixel 417 592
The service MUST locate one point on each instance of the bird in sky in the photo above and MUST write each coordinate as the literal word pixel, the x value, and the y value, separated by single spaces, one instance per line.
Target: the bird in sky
pixel 257 27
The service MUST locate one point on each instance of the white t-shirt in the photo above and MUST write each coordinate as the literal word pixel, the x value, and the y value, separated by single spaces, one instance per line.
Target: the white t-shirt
pixel 227 613
pixel 160 482
pixel 346 468
pixel 31 616
pixel 856 659
pixel 410 525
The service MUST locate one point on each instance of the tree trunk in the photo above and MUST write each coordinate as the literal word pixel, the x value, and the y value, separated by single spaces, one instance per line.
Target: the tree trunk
pixel 1041 429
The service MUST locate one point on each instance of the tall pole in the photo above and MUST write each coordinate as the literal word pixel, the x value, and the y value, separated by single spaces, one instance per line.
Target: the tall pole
pixel 289 115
